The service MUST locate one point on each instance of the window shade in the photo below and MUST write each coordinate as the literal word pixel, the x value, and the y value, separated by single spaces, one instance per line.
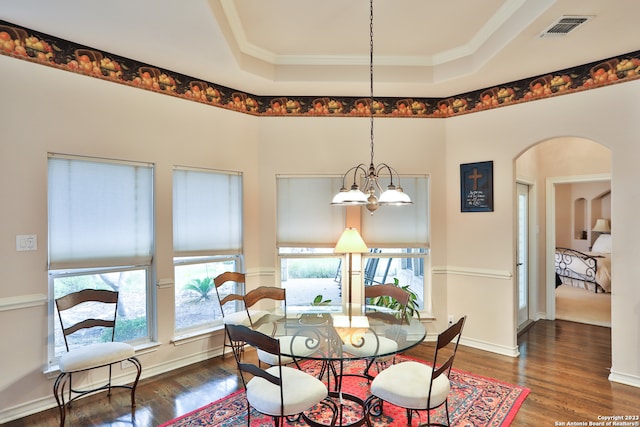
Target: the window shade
pixel 207 212
pixel 100 213
pixel 305 217
pixel 400 226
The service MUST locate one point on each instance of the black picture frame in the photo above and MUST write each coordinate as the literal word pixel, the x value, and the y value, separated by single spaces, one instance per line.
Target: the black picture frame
pixel 476 187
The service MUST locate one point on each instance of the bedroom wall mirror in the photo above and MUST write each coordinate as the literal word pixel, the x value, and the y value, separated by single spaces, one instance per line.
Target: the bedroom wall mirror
pixel 579 218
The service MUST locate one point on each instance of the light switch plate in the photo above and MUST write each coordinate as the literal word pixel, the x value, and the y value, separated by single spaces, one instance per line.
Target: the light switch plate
pixel 26 242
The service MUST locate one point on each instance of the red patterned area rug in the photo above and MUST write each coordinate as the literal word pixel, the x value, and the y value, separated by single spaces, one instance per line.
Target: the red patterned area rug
pixel 474 401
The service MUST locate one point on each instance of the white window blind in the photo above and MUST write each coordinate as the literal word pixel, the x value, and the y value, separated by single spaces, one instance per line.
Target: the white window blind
pixel 100 212
pixel 305 217
pixel 400 226
pixel 207 212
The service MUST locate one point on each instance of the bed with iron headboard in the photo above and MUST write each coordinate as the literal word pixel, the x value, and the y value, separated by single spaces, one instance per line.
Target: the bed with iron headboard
pixel 588 270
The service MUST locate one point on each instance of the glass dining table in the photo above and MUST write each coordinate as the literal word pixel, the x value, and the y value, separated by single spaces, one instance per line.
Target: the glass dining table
pixel 333 336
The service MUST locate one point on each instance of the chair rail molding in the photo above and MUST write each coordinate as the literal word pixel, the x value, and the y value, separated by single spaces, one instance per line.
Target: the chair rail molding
pixel 470 271
pixel 22 301
pixel 261 272
pixel 164 283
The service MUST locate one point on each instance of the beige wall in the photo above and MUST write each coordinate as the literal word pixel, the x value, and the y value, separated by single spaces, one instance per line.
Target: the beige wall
pixel 46 109
pixel 502 135
pixel 578 205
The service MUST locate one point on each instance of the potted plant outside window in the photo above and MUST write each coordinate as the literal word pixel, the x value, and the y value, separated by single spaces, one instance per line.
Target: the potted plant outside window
pixel 412 308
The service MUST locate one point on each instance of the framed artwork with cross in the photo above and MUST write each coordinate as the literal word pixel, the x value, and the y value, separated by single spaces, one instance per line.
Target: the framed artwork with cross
pixel 476 187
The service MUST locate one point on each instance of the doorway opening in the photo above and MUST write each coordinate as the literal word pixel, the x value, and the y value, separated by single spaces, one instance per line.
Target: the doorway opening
pixel 543 165
pixel 575 203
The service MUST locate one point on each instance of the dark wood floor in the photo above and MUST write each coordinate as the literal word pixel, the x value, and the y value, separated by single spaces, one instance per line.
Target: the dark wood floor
pixel 564 364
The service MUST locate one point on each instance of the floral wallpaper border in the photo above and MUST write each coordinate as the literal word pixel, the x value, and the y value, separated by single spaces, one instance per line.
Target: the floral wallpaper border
pixel 26 44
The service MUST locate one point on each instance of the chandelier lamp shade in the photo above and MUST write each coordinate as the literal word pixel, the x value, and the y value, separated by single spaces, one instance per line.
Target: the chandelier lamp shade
pixel 372 194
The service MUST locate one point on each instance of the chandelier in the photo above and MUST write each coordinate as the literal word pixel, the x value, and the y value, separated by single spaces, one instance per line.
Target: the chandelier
pixel 372 195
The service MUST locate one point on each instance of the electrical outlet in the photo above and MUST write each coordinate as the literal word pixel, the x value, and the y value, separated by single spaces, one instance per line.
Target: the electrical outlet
pixel 450 319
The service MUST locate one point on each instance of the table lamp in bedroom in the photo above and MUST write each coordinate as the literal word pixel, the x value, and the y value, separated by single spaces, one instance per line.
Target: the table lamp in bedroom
pixel 602 226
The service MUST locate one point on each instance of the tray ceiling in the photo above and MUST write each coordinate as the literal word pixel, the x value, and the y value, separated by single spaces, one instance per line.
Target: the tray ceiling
pixel 303 47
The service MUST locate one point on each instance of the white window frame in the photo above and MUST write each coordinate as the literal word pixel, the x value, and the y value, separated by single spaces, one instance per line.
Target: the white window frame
pixel 219 245
pixel 414 184
pixel 302 200
pixel 66 261
pixel 380 232
pixel 386 254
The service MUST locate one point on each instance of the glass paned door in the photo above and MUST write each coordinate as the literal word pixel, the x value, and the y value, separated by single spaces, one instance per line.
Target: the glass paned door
pixel 523 254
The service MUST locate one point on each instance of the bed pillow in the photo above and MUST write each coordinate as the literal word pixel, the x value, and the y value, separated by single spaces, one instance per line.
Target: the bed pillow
pixel 602 244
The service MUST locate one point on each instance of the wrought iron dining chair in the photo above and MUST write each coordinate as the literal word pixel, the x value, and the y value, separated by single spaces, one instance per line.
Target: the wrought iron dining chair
pixel 279 391
pixel 373 344
pixel 260 294
pixel 417 386
pixel 86 311
pixel 231 313
pixel 293 346
pixel 388 290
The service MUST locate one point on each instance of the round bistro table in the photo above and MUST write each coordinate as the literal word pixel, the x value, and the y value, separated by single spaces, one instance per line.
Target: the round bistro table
pixel 336 335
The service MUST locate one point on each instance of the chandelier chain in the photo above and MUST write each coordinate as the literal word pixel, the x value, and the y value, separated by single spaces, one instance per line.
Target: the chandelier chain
pixel 371 109
pixel 372 195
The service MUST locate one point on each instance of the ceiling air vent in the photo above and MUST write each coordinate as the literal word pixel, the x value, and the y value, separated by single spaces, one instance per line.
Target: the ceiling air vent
pixel 563 25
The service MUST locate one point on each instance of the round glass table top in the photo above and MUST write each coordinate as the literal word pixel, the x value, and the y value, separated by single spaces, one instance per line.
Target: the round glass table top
pixel 340 333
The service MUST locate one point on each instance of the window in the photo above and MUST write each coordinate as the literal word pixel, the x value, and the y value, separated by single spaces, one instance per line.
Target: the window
pixel 398 238
pixel 384 265
pixel 207 241
pixel 308 272
pixel 101 236
pixel 307 229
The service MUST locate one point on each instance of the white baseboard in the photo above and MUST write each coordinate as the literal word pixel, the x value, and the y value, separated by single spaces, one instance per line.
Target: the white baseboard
pixel 619 377
pixel 493 348
pixel 481 345
pixel 44 403
pixel 27 408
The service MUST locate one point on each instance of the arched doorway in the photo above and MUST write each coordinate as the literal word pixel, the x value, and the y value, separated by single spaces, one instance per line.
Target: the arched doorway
pixel 563 160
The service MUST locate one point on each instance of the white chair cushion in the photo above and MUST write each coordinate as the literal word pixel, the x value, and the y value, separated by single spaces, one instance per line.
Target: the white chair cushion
pixel 241 318
pixel 372 346
pixel 94 355
pixel 406 384
pixel 300 349
pixel 301 391
pixel 272 359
